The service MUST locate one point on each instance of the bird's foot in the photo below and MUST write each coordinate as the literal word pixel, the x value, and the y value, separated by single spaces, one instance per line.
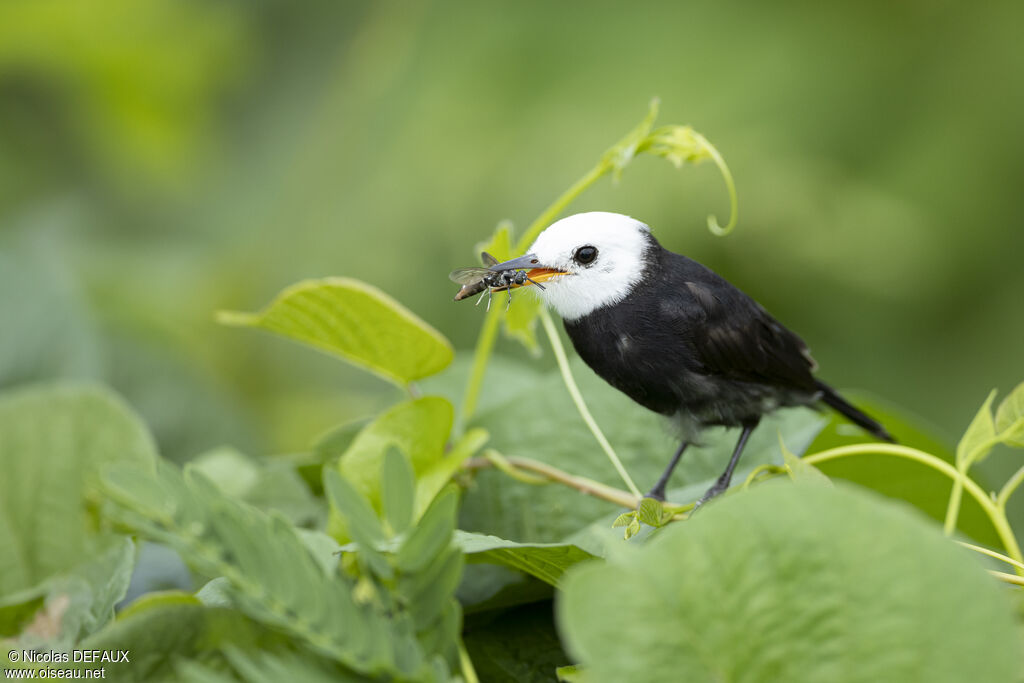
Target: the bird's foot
pixel 717 489
pixel 657 493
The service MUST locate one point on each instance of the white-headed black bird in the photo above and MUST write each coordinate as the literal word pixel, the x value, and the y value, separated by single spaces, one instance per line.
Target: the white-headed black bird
pixel 671 334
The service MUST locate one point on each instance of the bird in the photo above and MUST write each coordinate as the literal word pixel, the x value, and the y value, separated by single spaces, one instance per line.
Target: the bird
pixel 673 335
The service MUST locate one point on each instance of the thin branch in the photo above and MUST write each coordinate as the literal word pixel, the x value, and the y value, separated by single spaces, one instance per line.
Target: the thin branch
pixel 553 474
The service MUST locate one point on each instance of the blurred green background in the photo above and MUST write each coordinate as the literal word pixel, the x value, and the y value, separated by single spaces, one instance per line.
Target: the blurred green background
pixel 161 159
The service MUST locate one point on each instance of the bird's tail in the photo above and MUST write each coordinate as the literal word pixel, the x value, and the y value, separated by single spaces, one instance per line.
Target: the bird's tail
pixel 832 399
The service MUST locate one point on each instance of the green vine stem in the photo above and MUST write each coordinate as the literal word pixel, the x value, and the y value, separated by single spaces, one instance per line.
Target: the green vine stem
pixel 581 405
pixel 1012 485
pixel 963 463
pixel 713 225
pixel 995 513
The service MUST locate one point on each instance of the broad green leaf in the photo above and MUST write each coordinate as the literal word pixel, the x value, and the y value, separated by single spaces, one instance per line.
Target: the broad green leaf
pixel 356 322
pixel 1010 417
pixel 539 421
pixel 419 428
pixel 545 561
pixel 817 584
pixel 160 628
pixel 265 667
pixel 53 441
pixel 398 490
pixel 979 438
pixel 520 646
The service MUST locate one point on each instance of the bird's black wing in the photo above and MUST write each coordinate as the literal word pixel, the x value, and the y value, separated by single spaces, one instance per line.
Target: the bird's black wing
pixel 735 337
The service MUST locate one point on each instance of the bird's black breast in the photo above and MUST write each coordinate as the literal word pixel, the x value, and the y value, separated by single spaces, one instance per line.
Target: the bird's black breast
pixel 687 342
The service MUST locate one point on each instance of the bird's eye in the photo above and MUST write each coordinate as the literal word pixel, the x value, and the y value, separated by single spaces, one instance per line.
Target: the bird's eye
pixel 585 255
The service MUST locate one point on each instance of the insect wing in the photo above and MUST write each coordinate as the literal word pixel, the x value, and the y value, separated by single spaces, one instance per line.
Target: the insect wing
pixel 487 259
pixel 467 276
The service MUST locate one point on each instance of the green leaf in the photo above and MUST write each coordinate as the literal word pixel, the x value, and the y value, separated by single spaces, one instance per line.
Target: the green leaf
pixel 356 322
pixel 433 533
pixel 53 441
pixel 361 521
pixel 266 667
pixel 343 496
pixel 1010 418
pixel 398 490
pixel 979 438
pixel 801 471
pixel 73 604
pixel 652 513
pixel 818 584
pixel 545 561
pixel 160 628
pixel 419 428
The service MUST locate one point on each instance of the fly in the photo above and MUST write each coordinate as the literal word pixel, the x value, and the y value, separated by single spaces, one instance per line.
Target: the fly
pixel 476 279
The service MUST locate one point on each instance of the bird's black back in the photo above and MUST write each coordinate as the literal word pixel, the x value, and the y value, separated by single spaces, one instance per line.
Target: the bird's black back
pixel 686 342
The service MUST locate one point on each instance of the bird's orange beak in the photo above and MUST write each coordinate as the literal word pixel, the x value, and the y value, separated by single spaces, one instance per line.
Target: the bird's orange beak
pixel 541 275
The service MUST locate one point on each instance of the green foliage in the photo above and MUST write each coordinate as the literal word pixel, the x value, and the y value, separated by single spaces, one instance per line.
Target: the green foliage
pixel 53 441
pixel 419 428
pixel 272 575
pixel 268 484
pixel 545 561
pixel 1009 422
pixel 356 322
pixel 794 583
pixel 161 630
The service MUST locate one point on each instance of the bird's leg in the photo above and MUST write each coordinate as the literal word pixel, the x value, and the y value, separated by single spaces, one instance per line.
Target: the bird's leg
pixel 530 279
pixel 723 481
pixel 657 492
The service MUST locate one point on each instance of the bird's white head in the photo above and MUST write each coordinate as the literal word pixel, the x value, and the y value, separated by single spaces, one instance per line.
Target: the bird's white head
pixel 587 261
